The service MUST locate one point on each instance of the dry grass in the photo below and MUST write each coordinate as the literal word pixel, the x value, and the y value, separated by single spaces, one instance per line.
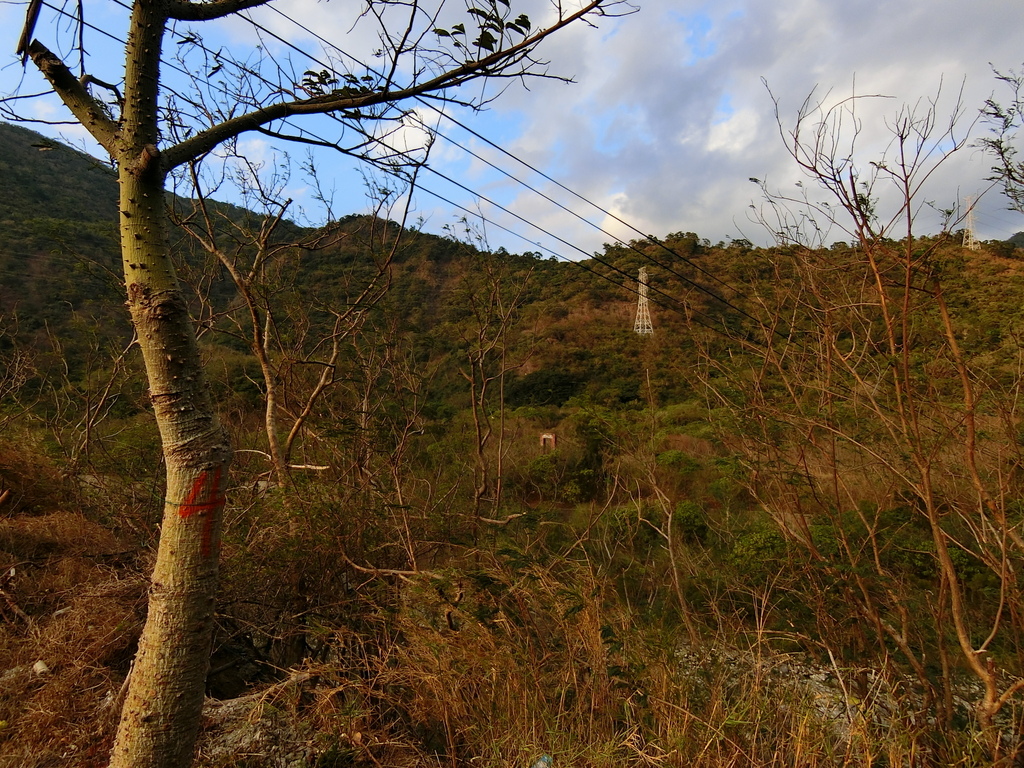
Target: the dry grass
pixel 501 660
pixel 29 483
pixel 71 618
pixel 493 659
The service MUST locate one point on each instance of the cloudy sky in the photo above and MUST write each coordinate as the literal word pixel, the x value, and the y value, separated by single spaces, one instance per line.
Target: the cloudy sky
pixel 670 114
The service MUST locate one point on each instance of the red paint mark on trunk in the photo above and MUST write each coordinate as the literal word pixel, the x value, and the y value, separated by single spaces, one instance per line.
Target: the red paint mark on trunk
pixel 204 499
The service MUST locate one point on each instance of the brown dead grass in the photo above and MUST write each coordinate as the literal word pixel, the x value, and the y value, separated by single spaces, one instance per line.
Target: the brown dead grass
pixel 72 601
pixel 29 483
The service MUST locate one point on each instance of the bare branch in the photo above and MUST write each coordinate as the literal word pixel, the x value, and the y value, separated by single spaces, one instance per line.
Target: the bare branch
pixel 183 10
pixel 31 17
pixel 496 64
pixel 90 112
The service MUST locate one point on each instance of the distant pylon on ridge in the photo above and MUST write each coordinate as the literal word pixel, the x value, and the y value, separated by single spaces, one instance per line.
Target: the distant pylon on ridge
pixel 643 312
pixel 970 242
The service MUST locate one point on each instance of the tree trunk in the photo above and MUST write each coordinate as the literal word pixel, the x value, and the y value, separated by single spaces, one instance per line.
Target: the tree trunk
pixel 164 701
pixel 165 694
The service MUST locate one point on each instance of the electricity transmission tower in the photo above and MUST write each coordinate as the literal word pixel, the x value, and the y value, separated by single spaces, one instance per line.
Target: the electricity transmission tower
pixel 643 312
pixel 970 243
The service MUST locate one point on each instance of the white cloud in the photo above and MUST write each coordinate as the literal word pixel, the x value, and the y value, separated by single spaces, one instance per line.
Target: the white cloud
pixel 679 163
pixel 734 134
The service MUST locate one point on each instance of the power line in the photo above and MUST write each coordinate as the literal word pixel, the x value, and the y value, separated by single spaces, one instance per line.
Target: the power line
pixel 422 100
pixel 606 212
pixel 630 246
pixel 514 178
pixel 252 73
pixel 315 59
pixel 690 313
pixel 566 243
pixel 472 132
pixel 163 60
pixel 644 255
pixel 248 71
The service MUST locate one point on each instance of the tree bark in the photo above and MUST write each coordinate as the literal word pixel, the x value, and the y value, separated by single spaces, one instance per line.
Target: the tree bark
pixel 163 704
pixel 165 694
pixel 164 701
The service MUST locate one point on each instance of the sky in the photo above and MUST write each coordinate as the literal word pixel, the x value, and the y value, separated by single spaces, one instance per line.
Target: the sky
pixel 670 114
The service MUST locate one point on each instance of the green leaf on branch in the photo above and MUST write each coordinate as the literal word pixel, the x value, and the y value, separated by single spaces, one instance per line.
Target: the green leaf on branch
pixel 487 41
pixel 318 83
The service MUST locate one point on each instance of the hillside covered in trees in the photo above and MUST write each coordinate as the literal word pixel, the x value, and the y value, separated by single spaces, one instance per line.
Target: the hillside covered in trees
pixel 783 529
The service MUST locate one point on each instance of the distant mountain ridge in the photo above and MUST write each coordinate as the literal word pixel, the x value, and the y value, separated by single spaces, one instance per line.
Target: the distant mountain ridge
pixel 43 178
pixel 60 277
pixel 60 255
pixel 58 235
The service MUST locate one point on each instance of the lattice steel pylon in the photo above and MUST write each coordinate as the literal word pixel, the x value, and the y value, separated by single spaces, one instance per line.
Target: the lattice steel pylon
pixel 970 243
pixel 643 311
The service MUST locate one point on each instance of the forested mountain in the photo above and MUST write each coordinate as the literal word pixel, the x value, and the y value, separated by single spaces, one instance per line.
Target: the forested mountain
pixel 783 529
pixel 57 269
pixel 58 232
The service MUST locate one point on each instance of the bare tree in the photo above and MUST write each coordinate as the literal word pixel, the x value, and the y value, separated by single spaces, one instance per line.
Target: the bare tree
pixel 256 255
pixel 17 366
pixel 151 124
pixel 866 416
pixel 1005 119
pixel 488 305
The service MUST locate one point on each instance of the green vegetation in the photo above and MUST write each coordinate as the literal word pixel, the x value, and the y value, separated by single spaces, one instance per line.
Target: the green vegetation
pixel 739 550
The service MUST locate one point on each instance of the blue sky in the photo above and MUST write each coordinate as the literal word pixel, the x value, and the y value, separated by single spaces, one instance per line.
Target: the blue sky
pixel 669 116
